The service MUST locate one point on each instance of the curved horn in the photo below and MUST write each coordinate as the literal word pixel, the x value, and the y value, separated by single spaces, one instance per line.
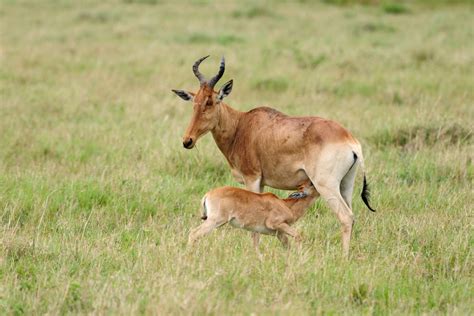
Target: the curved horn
pixel 196 69
pixel 214 80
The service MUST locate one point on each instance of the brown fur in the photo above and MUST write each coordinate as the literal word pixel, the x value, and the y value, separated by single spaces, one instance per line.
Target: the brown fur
pixel 262 213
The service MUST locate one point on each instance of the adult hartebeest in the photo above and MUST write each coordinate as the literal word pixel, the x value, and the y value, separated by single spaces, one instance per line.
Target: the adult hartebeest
pixel 265 147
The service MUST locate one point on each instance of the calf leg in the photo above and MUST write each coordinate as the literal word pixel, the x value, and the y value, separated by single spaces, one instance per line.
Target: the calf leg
pixel 203 229
pixel 256 243
pixel 284 228
pixel 283 239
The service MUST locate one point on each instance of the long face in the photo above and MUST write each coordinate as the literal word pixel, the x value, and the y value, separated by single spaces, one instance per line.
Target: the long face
pixel 205 116
pixel 206 105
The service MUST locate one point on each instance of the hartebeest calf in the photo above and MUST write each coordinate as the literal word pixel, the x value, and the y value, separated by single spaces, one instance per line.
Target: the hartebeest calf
pixel 262 213
pixel 266 147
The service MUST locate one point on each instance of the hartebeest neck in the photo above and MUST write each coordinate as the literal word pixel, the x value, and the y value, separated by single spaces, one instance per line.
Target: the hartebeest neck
pixel 225 131
pixel 298 206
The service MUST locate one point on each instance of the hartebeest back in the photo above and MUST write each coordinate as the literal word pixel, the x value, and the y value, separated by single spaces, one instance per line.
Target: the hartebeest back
pixel 265 147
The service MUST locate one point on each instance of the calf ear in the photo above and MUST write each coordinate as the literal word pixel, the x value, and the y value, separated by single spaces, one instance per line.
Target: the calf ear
pixel 186 96
pixel 225 90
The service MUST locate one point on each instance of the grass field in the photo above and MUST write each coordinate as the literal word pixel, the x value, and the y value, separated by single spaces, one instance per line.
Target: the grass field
pixel 97 195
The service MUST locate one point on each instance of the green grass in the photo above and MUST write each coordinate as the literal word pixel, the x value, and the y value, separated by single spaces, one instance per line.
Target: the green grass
pixel 97 195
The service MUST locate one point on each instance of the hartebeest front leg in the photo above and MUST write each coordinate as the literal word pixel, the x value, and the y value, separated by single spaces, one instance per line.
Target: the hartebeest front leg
pixel 254 185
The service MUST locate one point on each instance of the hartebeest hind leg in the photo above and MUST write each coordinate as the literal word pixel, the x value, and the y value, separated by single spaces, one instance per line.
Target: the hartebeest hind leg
pixel 336 202
pixel 335 183
pixel 347 186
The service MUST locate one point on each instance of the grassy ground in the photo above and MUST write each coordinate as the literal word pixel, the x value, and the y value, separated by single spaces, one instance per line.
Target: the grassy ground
pixel 97 195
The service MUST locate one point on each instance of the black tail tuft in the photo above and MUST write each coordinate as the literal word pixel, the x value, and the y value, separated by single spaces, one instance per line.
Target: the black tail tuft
pixel 366 194
pixel 204 210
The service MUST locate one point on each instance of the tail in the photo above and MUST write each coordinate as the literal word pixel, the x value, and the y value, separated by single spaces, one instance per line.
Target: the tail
pixel 204 208
pixel 365 195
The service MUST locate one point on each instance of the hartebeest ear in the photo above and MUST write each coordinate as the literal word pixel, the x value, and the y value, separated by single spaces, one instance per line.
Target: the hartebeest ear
pixel 186 96
pixel 225 90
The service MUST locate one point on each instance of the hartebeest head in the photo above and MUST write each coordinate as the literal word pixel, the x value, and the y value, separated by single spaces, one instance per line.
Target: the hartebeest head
pixel 206 104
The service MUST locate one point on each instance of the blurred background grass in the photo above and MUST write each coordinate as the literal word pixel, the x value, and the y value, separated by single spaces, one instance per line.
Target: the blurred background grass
pixel 97 194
